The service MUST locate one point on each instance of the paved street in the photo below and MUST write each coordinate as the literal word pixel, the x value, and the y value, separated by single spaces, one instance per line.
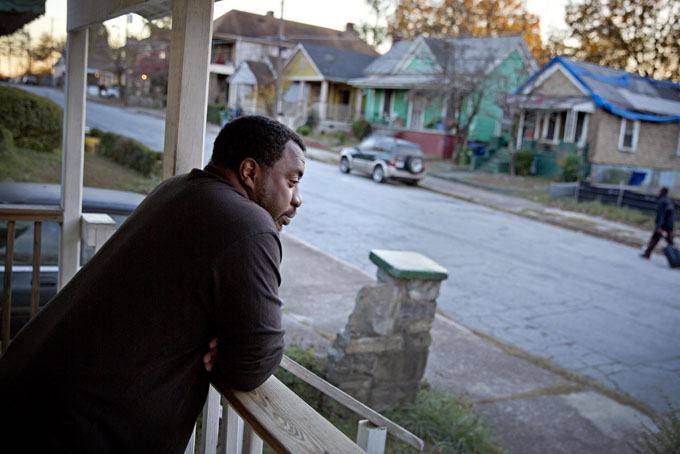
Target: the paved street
pixel 147 129
pixel 588 304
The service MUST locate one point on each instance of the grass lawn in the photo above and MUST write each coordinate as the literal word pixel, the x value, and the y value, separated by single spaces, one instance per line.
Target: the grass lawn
pixel 31 166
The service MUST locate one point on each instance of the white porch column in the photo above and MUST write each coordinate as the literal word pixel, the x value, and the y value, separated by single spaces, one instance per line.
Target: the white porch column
pixel 187 86
pixel 323 104
pixel 73 154
pixel 357 99
pixel 520 128
pixel 570 126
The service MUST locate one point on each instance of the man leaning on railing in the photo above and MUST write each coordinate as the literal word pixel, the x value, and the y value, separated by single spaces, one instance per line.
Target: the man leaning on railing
pixel 118 361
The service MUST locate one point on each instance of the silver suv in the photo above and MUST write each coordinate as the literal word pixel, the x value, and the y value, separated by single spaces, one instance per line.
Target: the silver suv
pixel 385 157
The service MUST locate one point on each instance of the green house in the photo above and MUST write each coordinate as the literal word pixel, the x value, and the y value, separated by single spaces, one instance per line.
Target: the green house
pixel 410 88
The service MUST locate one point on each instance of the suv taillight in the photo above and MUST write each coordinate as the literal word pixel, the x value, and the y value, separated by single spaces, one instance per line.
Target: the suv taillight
pixel 393 161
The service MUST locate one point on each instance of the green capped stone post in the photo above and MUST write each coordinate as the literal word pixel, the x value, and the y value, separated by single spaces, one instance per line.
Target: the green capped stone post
pixel 381 354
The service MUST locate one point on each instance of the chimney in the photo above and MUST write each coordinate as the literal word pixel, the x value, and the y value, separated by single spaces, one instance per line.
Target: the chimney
pixel 349 28
pixel 270 14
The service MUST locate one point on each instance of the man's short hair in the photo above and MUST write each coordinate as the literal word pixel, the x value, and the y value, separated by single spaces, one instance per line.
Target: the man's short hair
pixel 252 136
pixel 663 191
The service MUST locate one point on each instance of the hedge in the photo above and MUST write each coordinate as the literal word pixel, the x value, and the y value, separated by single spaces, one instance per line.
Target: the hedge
pixel 130 153
pixel 214 113
pixel 6 141
pixel 33 121
pixel 523 160
pixel 361 128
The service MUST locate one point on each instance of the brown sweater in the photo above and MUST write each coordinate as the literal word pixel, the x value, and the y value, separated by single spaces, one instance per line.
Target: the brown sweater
pixel 114 362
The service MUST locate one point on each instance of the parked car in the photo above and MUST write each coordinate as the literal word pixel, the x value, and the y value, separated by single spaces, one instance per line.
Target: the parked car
pixel 117 204
pixel 385 157
pixel 110 93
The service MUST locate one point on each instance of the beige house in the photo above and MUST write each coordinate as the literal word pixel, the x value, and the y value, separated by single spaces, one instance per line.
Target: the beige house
pixel 626 125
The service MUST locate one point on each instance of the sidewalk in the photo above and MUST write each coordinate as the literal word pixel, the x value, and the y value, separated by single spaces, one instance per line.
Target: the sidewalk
pixel 529 408
pixel 446 183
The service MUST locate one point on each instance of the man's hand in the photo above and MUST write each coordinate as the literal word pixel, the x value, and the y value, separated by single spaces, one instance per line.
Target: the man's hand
pixel 210 358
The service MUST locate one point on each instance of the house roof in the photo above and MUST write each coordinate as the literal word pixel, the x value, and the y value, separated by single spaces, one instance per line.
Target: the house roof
pixel 622 93
pixel 457 55
pixel 252 72
pixel 261 71
pixel 337 63
pixel 237 23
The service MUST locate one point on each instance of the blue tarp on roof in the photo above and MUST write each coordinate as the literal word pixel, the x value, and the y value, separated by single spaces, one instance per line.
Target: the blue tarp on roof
pixel 604 86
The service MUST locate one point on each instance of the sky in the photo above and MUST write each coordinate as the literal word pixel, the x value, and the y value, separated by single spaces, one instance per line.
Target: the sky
pixel 330 14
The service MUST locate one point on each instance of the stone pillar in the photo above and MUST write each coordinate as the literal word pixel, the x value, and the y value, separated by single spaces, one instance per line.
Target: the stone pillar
pixel 380 356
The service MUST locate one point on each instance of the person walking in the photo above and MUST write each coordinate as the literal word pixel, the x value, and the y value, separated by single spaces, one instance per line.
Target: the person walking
pixel 663 223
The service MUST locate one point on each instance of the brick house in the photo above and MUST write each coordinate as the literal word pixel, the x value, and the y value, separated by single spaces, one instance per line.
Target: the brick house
pixel 627 126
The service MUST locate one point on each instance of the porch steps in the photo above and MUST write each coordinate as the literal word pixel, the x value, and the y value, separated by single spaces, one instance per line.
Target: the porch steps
pixel 498 162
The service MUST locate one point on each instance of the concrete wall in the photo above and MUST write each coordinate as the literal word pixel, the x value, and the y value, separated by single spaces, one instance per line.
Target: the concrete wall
pixel 656 147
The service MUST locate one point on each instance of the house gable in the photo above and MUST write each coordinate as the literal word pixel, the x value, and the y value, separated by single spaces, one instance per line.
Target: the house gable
pixel 301 66
pixel 556 81
pixel 419 60
pixel 243 75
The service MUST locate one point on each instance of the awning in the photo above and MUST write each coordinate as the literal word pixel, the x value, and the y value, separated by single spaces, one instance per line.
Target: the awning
pixel 14 14
pixel 556 103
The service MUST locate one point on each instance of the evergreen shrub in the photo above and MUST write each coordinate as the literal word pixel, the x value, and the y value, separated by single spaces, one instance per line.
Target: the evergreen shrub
pixel 361 129
pixel 572 168
pixel 214 113
pixel 6 141
pixel 523 160
pixel 34 122
pixel 303 130
pixel 130 153
pixel 341 136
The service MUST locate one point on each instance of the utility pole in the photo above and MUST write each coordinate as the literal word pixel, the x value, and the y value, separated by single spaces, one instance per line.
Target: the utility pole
pixel 277 101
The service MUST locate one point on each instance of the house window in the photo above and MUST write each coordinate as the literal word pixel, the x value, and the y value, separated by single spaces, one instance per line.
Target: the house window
pixel 628 135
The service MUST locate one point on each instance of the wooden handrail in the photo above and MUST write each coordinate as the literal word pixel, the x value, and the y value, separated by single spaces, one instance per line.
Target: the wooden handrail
pixel 43 213
pixel 285 422
pixel 12 214
pixel 350 402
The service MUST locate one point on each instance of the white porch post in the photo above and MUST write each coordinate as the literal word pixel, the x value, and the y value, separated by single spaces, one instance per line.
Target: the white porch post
pixel 357 99
pixel 323 102
pixel 570 126
pixel 73 154
pixel 187 86
pixel 520 128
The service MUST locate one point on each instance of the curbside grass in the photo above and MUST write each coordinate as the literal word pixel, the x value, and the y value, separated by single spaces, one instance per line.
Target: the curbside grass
pixel 441 419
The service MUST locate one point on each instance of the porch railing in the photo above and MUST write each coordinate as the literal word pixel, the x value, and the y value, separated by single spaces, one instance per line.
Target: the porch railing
pixel 36 214
pixel 273 414
pixel 95 230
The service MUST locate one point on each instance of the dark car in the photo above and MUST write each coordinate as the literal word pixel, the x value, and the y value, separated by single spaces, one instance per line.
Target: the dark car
pixel 385 157
pixel 117 204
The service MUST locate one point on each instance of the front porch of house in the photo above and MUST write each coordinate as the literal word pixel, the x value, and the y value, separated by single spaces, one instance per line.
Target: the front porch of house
pixel 272 413
pixel 335 104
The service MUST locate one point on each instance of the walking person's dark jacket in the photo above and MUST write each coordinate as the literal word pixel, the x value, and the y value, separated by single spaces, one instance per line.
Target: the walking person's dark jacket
pixel 665 213
pixel 113 364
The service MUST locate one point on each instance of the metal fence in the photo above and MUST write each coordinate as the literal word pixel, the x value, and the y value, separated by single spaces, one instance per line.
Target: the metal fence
pixel 618 195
